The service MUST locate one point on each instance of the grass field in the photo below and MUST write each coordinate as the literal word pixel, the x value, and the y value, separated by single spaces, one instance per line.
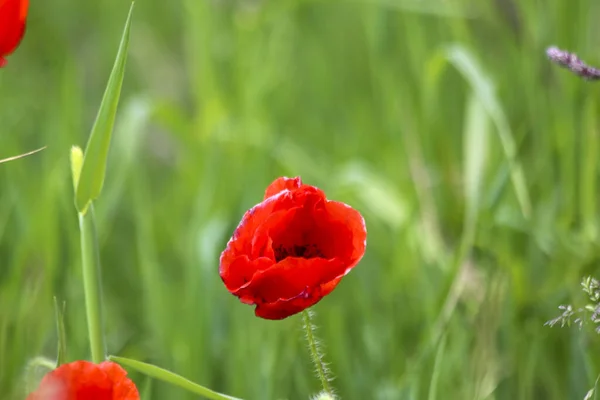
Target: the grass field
pixel 473 160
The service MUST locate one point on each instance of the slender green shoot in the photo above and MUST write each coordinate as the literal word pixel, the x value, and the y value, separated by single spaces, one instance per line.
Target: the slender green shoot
pixel 93 168
pixel 59 310
pixel 21 155
pixel 92 284
pixel 90 260
pixel 172 378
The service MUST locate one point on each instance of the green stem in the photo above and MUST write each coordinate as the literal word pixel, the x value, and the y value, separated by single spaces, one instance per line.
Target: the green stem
pixel 167 376
pixel 315 353
pixel 92 284
pixel 41 362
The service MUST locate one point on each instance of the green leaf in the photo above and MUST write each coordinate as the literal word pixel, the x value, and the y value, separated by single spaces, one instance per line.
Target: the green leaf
pixel 437 366
pixel 169 377
pixel 62 337
pixel 93 170
pixel 464 61
pixel 475 146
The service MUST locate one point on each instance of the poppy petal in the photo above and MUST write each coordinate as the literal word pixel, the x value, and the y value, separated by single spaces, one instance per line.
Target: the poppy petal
pixel 330 229
pixel 284 308
pixel 241 271
pixel 251 237
pixel 241 243
pixel 13 14
pixel 290 278
pixel 354 223
pixel 281 184
pixel 299 232
pixel 86 380
pixel 122 387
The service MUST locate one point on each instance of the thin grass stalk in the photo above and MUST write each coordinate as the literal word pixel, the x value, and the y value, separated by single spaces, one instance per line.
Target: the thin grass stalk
pixel 92 284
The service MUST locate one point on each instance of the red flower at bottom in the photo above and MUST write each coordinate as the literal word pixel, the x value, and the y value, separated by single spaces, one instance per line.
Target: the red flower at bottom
pixel 292 249
pixel 83 380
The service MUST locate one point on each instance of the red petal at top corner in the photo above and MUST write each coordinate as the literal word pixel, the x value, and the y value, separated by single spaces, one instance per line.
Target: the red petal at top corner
pixel 13 16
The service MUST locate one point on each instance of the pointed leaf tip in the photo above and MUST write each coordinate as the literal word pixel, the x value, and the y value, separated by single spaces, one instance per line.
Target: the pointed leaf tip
pixel 90 182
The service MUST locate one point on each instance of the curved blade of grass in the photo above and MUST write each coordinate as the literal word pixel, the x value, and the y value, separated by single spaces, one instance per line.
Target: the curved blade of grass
pixel 170 377
pixel 475 157
pixel 437 366
pixel 475 151
pixel 21 155
pixel 94 162
pixel 466 64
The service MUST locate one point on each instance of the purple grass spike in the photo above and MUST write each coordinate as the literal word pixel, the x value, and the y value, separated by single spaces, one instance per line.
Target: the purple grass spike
pixel 573 63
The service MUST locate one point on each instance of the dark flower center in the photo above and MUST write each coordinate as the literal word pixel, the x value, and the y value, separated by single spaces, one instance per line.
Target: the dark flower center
pixel 303 251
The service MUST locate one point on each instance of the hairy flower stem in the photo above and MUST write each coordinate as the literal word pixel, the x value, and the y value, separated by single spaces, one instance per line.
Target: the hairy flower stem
pixel 315 352
pixel 92 284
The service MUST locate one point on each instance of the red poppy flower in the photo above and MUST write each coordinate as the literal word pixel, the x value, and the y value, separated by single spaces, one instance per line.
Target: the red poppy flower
pixel 83 380
pixel 291 250
pixel 13 15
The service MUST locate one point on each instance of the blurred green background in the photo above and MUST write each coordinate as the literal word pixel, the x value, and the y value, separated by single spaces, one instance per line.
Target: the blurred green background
pixel 472 158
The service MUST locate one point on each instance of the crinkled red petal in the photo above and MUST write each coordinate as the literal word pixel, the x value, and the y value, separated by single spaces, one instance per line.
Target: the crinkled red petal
pixel 330 229
pixel 241 270
pixel 81 380
pixel 284 308
pixel 251 238
pixel 281 184
pixel 343 217
pixel 290 278
pixel 306 196
pixel 243 241
pixel 123 387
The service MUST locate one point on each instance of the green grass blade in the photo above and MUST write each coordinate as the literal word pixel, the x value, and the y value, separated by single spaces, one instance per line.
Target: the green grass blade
pixel 59 310
pixel 437 366
pixel 475 151
pixel 21 155
pixel 475 146
pixel 172 378
pixel 588 171
pixel 92 284
pixel 464 61
pixel 96 152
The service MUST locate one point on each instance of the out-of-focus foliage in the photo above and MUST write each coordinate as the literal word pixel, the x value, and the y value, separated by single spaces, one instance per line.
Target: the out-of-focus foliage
pixel 472 158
